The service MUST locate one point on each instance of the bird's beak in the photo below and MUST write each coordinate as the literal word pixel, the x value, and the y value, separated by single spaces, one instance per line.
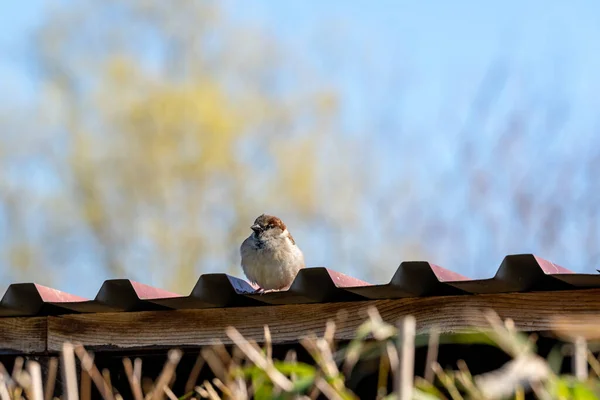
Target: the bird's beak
pixel 256 228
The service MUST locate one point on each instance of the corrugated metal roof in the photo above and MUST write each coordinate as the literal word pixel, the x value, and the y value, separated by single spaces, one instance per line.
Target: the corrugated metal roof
pixel 517 273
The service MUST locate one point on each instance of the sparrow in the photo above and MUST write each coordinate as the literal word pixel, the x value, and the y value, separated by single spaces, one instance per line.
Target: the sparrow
pixel 271 259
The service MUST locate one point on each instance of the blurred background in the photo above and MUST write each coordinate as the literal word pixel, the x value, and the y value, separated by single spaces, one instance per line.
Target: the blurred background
pixel 141 138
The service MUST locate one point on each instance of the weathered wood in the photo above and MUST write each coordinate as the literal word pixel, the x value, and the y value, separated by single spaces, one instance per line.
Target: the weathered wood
pixel 23 335
pixel 539 311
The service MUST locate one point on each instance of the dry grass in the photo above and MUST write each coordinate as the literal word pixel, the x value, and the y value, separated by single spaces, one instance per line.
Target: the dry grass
pixel 250 371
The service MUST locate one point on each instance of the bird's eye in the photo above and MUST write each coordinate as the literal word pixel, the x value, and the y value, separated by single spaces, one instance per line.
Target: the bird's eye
pixel 270 226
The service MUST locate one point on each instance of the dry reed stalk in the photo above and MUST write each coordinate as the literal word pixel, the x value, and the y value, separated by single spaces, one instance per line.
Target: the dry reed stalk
pixel 173 358
pixel 327 389
pixel 87 364
pixel 69 372
pixel 406 354
pixel 212 393
pixel 432 353
pixel 268 344
pixel 193 376
pixel 215 363
pixel 447 381
pixel 169 393
pixel 466 379
pixel 16 374
pixel 107 381
pixel 580 365
pixel 291 357
pixel 382 376
pixel 51 378
pixel 36 391
pixel 134 383
pixel 4 393
pixel 224 389
pixel 137 369
pixel 329 335
pixel 8 381
pixel 257 358
pixel 594 363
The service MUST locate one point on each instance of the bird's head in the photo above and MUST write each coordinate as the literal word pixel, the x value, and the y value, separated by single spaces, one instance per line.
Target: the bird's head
pixel 266 226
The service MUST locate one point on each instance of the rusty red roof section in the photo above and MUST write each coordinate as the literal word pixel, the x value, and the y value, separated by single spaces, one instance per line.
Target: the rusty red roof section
pixel 517 273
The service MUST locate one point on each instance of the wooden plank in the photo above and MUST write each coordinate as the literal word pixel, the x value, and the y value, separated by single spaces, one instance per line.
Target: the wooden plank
pixel 539 311
pixel 23 335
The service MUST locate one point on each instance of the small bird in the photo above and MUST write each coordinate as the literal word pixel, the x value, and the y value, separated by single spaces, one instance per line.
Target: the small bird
pixel 270 257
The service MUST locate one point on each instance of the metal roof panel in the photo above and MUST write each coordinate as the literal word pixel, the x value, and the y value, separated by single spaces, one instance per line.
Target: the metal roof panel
pixel 517 273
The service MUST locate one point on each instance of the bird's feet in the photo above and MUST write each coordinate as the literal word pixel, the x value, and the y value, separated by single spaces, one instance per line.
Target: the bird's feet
pixel 264 291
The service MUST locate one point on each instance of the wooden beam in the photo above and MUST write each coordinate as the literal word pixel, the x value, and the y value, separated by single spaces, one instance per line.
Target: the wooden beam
pixel 23 335
pixel 539 311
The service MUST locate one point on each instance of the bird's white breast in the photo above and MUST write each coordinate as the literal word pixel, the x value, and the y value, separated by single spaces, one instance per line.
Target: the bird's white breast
pixel 274 265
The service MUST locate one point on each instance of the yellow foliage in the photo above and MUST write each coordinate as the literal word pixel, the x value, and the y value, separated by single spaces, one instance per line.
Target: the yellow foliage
pixel 171 168
pixel 22 257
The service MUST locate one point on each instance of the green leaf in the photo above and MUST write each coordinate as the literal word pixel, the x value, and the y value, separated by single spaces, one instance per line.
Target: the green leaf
pixel 560 389
pixel 303 384
pixel 305 376
pixel 581 391
pixel 263 392
pixel 428 388
pixel 555 358
pixel 300 369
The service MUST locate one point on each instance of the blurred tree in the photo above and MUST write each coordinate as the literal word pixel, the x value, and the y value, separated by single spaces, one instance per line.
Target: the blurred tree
pixel 161 132
pixel 172 129
pixel 506 171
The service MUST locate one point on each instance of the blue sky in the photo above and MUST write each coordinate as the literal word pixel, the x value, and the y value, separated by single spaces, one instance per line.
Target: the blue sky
pixel 419 65
pixel 441 44
pixel 445 41
pixel 443 51
pixel 17 21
